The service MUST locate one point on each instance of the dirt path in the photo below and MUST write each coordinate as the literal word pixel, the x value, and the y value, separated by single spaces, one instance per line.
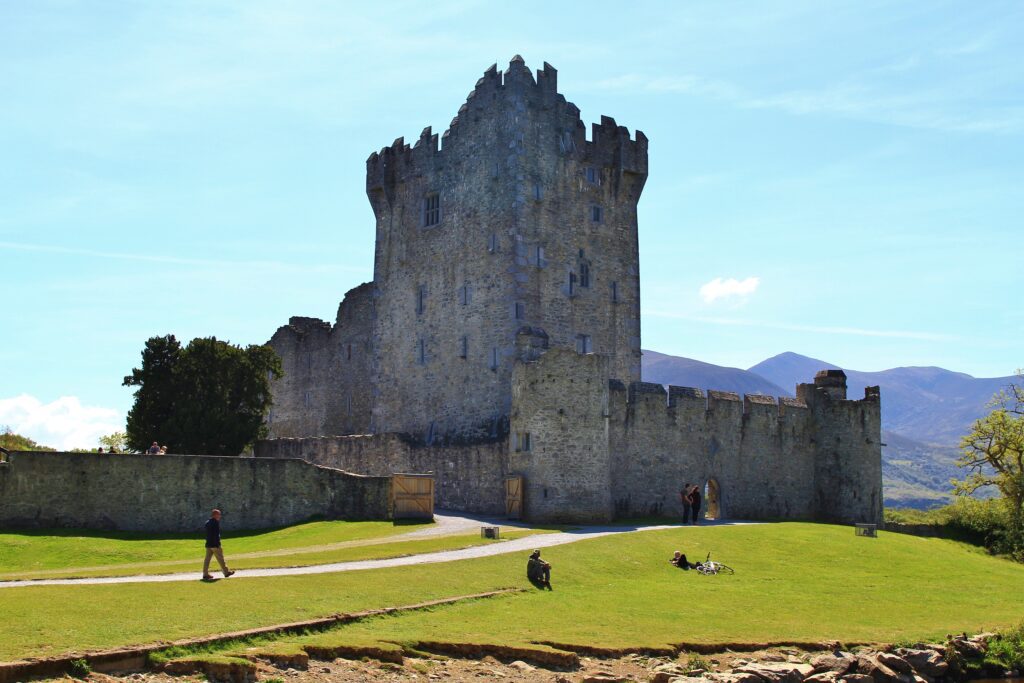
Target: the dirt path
pixel 454 524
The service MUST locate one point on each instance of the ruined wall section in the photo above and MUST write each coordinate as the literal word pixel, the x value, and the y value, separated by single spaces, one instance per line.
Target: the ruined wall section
pixel 326 388
pixel 558 440
pixel 515 221
pixel 469 477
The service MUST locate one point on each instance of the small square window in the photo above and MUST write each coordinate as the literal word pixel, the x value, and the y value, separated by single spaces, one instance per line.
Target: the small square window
pixel 431 209
pixel 583 344
pixel 593 176
pixel 596 214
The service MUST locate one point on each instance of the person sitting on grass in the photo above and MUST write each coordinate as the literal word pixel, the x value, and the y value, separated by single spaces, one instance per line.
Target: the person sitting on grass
pixel 679 560
pixel 538 571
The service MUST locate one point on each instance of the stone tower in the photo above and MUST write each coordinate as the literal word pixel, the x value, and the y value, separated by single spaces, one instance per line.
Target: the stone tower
pixel 511 234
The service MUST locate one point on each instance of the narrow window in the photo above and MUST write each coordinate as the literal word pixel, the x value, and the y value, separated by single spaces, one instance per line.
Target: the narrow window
pixel 492 243
pixel 421 352
pixel 523 441
pixel 494 358
pixel 520 310
pixel 584 275
pixel 464 347
pixel 307 399
pixel 596 214
pixel 309 361
pixel 539 254
pixel 537 193
pixel 583 344
pixel 464 295
pixel 348 405
pixel 593 176
pixel 348 353
pixel 615 292
pixel 572 284
pixel 421 299
pixel 431 209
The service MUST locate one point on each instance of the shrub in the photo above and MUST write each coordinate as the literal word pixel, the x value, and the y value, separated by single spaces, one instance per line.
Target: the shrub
pixel 79 668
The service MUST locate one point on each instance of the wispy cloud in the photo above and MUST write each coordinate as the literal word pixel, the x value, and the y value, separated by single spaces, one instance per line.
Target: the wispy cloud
pixel 174 260
pixel 731 288
pixel 815 329
pixel 64 423
pixel 859 96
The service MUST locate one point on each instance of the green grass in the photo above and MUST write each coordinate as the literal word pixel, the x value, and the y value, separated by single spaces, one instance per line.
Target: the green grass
pixel 793 582
pixel 297 557
pixel 31 552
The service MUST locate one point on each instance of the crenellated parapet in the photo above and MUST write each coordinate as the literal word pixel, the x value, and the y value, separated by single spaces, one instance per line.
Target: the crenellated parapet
pixel 496 95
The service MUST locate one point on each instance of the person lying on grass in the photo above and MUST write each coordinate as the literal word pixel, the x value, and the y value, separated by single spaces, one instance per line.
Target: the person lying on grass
pixel 679 560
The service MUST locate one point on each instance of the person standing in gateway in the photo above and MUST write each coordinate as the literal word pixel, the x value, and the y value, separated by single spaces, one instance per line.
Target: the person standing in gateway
pixel 213 548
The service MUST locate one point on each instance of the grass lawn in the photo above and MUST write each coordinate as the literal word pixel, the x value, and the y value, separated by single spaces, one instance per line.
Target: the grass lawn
pixel 29 552
pixel 793 582
pixel 294 557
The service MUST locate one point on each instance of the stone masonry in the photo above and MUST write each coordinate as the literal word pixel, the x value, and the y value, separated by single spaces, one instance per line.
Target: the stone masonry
pixel 501 337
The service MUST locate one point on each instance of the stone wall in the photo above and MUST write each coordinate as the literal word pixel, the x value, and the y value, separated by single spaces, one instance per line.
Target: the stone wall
pixel 175 493
pixel 468 477
pixel 816 458
pixel 326 387
pixel 558 440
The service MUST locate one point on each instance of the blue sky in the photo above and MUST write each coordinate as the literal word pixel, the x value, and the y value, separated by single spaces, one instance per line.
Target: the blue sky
pixel 838 179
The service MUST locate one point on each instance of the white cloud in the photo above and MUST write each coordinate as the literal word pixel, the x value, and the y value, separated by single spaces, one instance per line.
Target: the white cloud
pixel 723 289
pixel 64 423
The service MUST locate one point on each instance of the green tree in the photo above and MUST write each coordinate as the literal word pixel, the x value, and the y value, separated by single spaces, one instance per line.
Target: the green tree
pixel 209 397
pixel 118 441
pixel 993 455
pixel 16 442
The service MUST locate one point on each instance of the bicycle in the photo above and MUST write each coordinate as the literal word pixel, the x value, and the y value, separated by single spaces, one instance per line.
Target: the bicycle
pixel 710 567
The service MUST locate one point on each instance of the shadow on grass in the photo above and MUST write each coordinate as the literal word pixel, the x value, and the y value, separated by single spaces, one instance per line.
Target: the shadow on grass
pixel 185 535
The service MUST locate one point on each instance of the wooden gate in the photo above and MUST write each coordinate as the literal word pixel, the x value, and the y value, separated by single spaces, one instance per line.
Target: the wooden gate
pixel 413 496
pixel 514 497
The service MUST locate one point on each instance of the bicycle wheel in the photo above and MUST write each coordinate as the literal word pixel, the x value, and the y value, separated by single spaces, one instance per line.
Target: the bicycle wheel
pixel 725 569
pixel 707 569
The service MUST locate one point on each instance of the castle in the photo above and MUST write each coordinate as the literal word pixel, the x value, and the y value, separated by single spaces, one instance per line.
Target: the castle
pixel 500 341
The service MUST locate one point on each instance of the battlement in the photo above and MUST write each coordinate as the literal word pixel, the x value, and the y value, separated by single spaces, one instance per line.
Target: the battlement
pixel 649 396
pixel 302 326
pixel 515 89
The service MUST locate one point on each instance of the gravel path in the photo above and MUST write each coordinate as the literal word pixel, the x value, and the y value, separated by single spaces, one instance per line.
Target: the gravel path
pixel 446 524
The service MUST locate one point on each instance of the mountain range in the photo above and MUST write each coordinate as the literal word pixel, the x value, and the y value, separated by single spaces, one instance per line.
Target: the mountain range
pixel 925 411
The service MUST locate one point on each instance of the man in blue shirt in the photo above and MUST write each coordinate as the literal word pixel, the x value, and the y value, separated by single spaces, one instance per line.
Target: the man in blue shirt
pixel 213 548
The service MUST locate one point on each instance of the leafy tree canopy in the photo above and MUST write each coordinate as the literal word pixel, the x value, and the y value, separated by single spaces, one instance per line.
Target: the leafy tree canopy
pixel 993 451
pixel 17 442
pixel 209 397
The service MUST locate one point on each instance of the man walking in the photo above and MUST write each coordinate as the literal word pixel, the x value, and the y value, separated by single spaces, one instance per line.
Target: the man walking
pixel 684 498
pixel 213 548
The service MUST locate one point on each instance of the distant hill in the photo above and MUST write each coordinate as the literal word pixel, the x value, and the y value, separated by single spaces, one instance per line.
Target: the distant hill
pixel 925 411
pixel 686 372
pixel 926 404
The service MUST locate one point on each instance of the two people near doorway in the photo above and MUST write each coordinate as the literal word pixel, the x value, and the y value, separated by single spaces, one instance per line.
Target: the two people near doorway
pixel 691 500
